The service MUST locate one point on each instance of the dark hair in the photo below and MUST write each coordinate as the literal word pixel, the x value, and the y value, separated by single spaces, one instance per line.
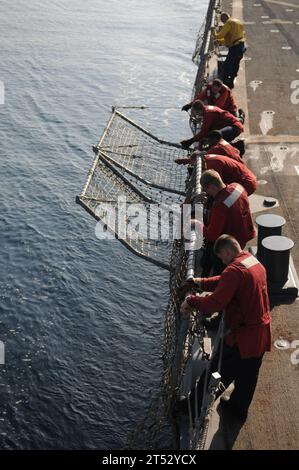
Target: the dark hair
pixel 198 104
pixel 217 82
pixel 226 241
pixel 224 13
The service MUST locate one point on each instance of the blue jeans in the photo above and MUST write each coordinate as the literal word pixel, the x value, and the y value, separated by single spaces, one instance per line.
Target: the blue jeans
pixel 232 62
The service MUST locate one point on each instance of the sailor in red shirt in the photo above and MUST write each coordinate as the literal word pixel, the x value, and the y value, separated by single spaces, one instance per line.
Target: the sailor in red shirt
pixel 219 146
pixel 231 171
pixel 241 290
pixel 216 94
pixel 230 212
pixel 214 118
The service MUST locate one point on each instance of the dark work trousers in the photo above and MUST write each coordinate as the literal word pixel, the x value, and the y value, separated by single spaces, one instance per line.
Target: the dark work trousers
pixel 229 133
pixel 207 209
pixel 206 261
pixel 244 372
pixel 210 263
pixel 232 63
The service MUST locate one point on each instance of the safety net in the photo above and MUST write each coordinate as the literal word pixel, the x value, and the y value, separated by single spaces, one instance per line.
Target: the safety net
pixel 133 165
pixel 136 188
pixel 160 427
pixel 204 45
pixel 196 57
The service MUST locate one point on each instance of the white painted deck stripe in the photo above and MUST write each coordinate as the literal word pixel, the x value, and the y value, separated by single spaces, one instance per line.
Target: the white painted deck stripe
pixel 284 4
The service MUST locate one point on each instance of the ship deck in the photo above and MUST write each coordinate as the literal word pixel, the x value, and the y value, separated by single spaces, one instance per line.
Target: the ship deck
pixel 267 88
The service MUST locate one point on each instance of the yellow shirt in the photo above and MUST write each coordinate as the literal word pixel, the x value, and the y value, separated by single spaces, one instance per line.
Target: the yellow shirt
pixel 231 33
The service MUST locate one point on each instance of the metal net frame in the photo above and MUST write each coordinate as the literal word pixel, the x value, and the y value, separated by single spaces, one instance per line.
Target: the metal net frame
pixel 134 164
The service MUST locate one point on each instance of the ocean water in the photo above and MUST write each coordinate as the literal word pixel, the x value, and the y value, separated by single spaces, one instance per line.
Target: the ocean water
pixel 81 319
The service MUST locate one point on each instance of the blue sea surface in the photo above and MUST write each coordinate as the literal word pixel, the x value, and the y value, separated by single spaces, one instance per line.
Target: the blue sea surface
pixel 81 319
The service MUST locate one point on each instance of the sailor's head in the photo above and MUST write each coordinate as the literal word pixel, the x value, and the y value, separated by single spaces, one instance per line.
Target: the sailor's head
pixel 226 248
pixel 216 85
pixel 197 109
pixel 214 137
pixel 211 182
pixel 224 17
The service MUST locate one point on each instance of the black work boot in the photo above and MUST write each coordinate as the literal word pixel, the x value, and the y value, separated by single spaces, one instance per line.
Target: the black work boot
pixel 229 81
pixel 212 322
pixel 240 145
pixel 241 115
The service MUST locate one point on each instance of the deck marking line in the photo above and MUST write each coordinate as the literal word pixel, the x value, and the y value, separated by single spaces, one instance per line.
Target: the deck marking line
pixel 266 122
pixel 284 4
pixel 255 84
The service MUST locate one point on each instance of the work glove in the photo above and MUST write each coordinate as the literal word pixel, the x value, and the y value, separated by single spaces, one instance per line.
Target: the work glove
pixel 183 161
pixel 186 107
pixel 186 143
pixel 185 287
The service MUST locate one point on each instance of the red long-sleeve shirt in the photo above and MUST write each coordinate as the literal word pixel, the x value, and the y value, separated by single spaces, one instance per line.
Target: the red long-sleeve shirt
pixel 241 290
pixel 223 99
pixel 215 119
pixel 231 171
pixel 230 214
pixel 225 148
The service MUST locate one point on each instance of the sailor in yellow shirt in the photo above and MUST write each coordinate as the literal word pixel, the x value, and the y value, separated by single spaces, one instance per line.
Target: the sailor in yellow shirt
pixel 232 35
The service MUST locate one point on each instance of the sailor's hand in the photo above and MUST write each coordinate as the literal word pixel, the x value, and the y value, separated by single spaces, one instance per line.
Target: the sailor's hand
pixel 203 145
pixel 185 309
pixel 186 287
pixel 186 107
pixel 182 161
pixel 197 282
pixel 200 198
pixel 186 143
